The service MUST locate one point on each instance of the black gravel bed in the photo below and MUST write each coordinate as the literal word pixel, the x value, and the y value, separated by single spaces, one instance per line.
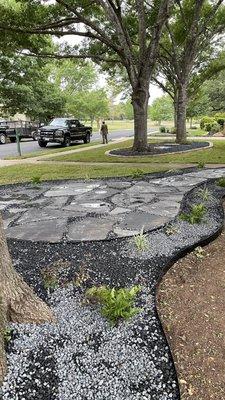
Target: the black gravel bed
pixel 116 263
pixel 162 148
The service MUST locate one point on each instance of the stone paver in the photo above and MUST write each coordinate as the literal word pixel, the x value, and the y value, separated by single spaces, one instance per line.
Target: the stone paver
pixel 95 210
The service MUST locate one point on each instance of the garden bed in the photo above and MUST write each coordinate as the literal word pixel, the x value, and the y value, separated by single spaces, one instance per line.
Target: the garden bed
pixel 191 300
pixel 160 149
pixel 83 356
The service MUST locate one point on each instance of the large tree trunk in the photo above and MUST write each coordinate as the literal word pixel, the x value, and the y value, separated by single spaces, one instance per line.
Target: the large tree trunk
pixel 175 113
pixel 19 303
pixel 140 99
pixel 181 134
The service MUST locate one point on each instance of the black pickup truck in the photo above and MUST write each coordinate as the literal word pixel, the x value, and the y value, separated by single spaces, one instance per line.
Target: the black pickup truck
pixel 25 129
pixel 64 131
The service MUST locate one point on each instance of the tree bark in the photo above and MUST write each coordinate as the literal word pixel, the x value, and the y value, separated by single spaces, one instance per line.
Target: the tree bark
pixel 181 134
pixel 140 99
pixel 19 303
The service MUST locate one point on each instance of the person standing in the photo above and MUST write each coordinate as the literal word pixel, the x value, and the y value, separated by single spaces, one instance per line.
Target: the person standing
pixel 104 132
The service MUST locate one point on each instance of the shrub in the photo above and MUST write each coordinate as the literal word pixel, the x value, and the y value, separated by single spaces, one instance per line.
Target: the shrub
pixel 221 182
pixel 209 121
pixel 215 128
pixel 141 241
pixel 162 129
pixel 196 214
pixel 116 303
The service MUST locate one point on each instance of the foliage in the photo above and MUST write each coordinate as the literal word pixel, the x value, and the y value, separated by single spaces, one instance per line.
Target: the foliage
pixel 204 193
pixel 221 182
pixel 162 129
pixel 36 180
pixel 201 164
pixel 141 241
pixel 199 253
pixel 137 173
pixel 195 215
pixel 116 303
pixel 161 109
pixel 205 121
pixel 8 334
pixel 171 229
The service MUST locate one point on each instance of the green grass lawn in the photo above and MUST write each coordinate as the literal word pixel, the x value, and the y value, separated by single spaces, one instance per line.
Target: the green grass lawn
pixel 26 172
pixel 196 132
pixel 118 124
pixel 51 151
pixel 213 156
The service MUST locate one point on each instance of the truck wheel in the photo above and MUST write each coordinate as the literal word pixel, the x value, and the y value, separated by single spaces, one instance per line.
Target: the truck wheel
pixel 42 143
pixel 2 138
pixel 67 142
pixel 12 139
pixel 87 138
pixel 34 136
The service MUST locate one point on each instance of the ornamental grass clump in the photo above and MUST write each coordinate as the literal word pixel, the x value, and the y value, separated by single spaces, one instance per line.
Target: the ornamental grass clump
pixel 195 216
pixel 115 304
pixel 204 194
pixel 141 241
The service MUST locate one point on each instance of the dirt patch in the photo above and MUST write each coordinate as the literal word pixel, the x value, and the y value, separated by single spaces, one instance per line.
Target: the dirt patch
pixel 191 305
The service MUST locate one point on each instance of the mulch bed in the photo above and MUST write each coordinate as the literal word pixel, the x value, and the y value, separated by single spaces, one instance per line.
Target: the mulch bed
pixel 162 148
pixel 191 303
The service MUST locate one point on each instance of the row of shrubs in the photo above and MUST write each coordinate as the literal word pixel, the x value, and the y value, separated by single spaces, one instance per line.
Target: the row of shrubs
pixel 213 124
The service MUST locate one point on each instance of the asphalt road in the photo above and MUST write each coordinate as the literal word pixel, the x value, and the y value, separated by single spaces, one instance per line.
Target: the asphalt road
pixel 30 146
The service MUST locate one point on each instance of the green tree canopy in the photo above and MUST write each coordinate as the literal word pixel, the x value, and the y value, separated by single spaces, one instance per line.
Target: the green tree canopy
pixel 161 109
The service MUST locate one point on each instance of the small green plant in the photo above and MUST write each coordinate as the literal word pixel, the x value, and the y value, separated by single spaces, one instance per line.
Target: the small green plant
pixel 137 173
pixel 116 303
pixel 196 214
pixel 171 230
pixel 81 277
pixel 221 182
pixel 50 279
pixel 199 253
pixel 141 241
pixel 7 335
pixel 204 193
pixel 201 164
pixel 36 180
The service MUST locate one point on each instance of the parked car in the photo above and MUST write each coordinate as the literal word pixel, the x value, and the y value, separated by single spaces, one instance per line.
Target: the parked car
pixel 25 129
pixel 64 131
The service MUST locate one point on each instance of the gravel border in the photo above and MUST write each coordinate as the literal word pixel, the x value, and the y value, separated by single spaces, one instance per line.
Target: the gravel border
pixel 116 263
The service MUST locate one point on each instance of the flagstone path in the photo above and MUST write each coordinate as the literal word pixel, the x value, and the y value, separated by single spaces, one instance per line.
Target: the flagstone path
pixel 96 209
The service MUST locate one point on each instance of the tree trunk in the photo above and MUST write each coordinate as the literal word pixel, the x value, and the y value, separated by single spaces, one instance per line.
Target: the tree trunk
pixel 181 134
pixel 140 105
pixel 175 113
pixel 19 303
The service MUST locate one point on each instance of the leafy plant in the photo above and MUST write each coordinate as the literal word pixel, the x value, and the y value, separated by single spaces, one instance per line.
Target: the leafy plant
pixel 196 214
pixel 204 193
pixel 116 303
pixel 201 164
pixel 36 180
pixel 171 230
pixel 199 253
pixel 141 241
pixel 137 173
pixel 82 276
pixel 50 279
pixel 7 334
pixel 221 182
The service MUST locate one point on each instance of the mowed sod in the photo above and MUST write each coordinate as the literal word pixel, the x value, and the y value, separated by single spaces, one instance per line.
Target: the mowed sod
pixel 214 155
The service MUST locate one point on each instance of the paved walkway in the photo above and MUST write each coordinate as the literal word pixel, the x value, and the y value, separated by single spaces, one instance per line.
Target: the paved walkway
pixel 95 210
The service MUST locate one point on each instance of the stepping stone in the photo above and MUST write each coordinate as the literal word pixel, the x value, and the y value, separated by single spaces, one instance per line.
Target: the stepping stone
pixel 135 221
pixel 47 231
pixel 120 210
pixel 85 208
pixel 90 229
pixel 71 189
